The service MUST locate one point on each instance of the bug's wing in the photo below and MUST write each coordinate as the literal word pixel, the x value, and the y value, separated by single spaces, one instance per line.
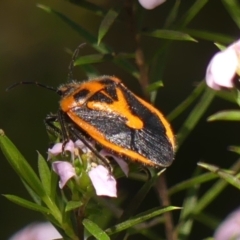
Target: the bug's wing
pixel 150 142
pixel 153 143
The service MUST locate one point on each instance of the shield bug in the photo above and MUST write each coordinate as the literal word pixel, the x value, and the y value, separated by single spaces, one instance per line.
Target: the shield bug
pixel 103 109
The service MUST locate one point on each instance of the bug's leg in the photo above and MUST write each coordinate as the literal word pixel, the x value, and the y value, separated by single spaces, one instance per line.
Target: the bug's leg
pixel 78 135
pixel 69 131
pixel 64 128
pixel 53 130
pixel 49 123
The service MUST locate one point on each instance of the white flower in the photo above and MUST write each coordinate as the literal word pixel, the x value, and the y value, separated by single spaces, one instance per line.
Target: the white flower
pixel 150 4
pixel 223 67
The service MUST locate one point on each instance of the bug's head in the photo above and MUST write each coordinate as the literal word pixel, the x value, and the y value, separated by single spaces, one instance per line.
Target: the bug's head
pixel 67 89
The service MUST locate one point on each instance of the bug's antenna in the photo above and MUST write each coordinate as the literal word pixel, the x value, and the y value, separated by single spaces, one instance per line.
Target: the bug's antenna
pixel 31 83
pixel 74 56
pixel 70 74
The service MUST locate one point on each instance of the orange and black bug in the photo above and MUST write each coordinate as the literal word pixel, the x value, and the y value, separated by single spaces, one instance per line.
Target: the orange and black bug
pixel 106 111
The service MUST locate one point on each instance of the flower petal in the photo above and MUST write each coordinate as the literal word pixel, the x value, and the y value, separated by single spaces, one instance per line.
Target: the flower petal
pixel 123 164
pixel 223 67
pixel 37 231
pixel 103 182
pixel 58 148
pixel 79 144
pixel 65 170
pixel 55 150
pixel 150 4
pixel 229 228
pixel 69 146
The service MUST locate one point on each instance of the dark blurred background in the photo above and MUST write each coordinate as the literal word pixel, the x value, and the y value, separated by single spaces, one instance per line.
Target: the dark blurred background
pixel 32 48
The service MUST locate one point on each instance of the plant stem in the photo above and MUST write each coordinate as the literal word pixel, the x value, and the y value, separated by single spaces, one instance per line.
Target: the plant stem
pixel 161 187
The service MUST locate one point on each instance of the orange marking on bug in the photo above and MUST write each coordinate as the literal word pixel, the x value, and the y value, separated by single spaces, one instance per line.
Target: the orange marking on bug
pixel 69 102
pixel 120 108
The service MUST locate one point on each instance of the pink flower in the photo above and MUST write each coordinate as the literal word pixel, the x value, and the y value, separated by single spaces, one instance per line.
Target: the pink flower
pixel 223 67
pixel 229 228
pixel 150 4
pixel 58 148
pixel 102 180
pixel 37 231
pixel 64 170
pixel 79 144
pixel 122 164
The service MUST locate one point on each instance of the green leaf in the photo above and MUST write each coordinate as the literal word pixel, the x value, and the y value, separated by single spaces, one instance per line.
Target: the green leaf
pixel 192 12
pixel 54 184
pixel 228 115
pixel 208 220
pixel 90 7
pixel 230 95
pixel 206 177
pixel 71 205
pixel 107 22
pixel 235 149
pixel 140 218
pixel 94 58
pixel 24 170
pixel 220 46
pixel 27 204
pixel 185 220
pixel 187 102
pixel 238 97
pixel 95 230
pixel 233 180
pixel 98 58
pixel 154 86
pixel 210 36
pixel 195 115
pixel 44 173
pixel 233 8
pixel 169 34
pixel 172 16
pixel 214 191
pixel 156 70
pixel 20 164
pixel 90 71
pixel 152 89
pixel 33 195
